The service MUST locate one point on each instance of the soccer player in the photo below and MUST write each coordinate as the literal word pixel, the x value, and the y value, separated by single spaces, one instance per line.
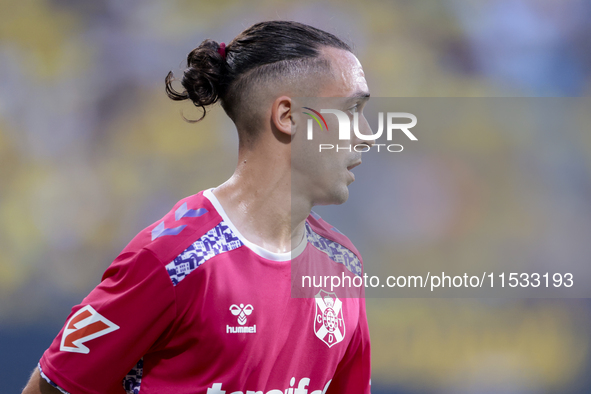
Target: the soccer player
pixel 201 301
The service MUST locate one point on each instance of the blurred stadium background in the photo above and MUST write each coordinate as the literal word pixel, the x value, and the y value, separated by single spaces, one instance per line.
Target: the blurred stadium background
pixel 92 151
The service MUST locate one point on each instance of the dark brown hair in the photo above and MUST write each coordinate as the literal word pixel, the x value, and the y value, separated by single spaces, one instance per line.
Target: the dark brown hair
pixel 266 49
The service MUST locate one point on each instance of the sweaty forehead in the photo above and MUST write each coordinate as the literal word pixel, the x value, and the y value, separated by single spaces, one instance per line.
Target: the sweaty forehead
pixel 348 73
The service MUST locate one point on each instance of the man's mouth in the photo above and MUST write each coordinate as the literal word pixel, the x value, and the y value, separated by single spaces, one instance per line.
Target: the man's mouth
pixel 354 165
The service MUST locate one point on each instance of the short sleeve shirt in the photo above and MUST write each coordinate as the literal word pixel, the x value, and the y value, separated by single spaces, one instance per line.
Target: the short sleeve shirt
pixel 191 306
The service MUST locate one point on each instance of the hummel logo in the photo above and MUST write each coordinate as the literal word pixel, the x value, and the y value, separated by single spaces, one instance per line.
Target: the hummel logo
pixel 182 212
pixel 242 312
pixel 85 325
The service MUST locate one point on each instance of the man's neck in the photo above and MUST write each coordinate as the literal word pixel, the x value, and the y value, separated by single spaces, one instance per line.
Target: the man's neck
pixel 258 199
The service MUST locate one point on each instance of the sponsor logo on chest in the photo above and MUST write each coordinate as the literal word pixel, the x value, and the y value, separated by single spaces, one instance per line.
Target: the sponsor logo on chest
pixel 216 388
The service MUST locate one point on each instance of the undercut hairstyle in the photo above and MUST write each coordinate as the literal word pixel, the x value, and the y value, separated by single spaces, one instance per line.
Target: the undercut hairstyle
pixel 263 53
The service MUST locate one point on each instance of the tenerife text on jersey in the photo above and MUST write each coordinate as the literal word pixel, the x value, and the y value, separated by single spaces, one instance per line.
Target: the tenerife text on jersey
pixel 216 388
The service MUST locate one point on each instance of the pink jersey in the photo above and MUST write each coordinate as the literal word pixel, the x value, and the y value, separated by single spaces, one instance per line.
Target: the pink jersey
pixel 191 306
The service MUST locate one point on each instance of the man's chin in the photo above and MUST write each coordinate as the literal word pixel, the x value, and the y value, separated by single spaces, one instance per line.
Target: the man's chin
pixel 336 197
pixel 342 197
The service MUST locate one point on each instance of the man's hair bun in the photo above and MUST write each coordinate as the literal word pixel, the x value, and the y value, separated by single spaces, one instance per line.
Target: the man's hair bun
pixel 204 79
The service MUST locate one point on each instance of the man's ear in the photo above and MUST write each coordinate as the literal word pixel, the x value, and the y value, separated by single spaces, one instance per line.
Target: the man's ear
pixel 281 116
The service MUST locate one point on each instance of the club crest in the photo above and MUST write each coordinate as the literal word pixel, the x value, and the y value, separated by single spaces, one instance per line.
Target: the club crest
pixel 329 324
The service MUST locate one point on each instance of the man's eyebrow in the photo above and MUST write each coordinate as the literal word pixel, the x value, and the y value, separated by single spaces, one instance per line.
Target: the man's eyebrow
pixel 359 95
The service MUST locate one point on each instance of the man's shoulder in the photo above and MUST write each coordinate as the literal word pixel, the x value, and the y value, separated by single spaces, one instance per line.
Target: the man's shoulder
pixel 186 222
pixel 329 239
pixel 327 230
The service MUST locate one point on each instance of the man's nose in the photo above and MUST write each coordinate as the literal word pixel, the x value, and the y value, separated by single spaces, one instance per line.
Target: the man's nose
pixel 365 130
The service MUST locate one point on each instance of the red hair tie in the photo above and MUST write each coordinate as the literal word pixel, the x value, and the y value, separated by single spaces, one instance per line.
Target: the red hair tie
pixel 222 50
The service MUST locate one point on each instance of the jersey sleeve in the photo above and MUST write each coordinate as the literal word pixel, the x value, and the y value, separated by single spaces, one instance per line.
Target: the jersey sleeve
pixel 353 373
pixel 115 325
